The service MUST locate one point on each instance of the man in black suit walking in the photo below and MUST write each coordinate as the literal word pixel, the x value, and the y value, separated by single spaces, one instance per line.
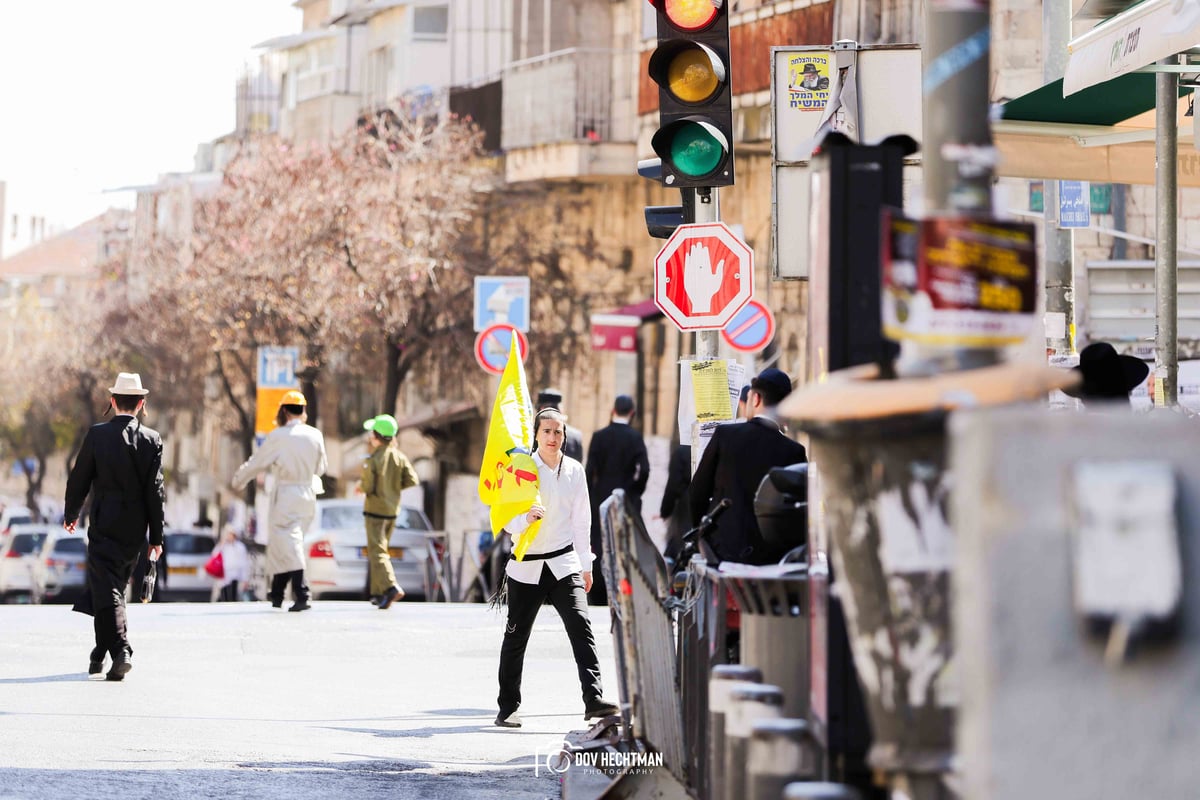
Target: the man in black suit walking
pixel 616 460
pixel 734 464
pixel 120 463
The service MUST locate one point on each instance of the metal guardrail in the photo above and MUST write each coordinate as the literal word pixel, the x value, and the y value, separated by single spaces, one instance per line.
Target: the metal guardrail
pixel 645 633
pixel 702 633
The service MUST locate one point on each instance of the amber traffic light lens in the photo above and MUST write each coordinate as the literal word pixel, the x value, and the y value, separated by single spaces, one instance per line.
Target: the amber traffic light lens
pixel 690 15
pixel 691 77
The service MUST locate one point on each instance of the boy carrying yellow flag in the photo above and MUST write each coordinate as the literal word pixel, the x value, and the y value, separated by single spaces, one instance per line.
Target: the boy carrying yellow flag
pixel 508 478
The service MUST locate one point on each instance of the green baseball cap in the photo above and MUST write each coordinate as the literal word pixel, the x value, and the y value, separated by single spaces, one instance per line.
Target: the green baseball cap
pixel 384 425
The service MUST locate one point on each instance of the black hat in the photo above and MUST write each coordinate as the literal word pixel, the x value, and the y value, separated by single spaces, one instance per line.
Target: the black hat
pixel 773 384
pixel 1106 375
pixel 549 397
pixel 623 405
pixel 810 67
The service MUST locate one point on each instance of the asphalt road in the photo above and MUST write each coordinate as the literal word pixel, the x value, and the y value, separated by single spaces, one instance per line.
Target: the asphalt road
pixel 240 701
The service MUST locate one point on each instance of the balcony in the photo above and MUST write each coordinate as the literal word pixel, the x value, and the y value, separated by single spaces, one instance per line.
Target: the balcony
pixel 561 118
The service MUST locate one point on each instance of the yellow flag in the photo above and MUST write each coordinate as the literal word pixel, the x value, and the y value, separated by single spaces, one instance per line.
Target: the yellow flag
pixel 508 477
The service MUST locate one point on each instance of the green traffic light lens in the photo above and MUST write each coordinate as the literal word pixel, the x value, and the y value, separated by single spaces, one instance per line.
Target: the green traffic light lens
pixel 695 151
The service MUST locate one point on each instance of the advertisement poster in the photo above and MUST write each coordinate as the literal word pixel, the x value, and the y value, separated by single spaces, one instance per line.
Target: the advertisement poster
pixel 959 282
pixel 808 81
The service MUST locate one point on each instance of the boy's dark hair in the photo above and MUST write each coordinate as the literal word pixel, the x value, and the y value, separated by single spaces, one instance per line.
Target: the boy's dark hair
pixel 127 403
pixel 294 410
pixel 385 439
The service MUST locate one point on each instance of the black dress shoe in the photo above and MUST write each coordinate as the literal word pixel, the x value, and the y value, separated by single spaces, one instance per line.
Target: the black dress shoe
pixel 600 708
pixel 375 599
pixel 393 594
pixel 120 668
pixel 510 720
pixel 96 662
pixel 300 605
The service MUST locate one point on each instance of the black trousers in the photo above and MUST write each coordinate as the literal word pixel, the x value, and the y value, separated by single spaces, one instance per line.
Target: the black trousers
pixel 229 592
pixel 109 567
pixel 279 582
pixel 524 601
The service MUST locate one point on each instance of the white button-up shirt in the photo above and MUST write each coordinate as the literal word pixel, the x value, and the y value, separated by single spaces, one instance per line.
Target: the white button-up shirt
pixel 568 520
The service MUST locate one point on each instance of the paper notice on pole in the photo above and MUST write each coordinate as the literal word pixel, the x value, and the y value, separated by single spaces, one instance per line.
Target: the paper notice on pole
pixel 710 390
pixel 689 405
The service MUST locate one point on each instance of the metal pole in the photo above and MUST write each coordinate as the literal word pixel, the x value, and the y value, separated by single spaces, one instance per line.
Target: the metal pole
pixel 707 209
pixel 1166 253
pixel 1060 249
pixel 959 157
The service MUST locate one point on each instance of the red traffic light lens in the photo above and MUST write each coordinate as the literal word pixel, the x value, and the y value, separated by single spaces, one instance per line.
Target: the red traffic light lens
pixel 690 15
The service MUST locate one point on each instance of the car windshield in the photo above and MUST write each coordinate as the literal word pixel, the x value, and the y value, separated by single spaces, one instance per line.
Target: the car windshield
pixel 334 517
pixel 20 520
pixel 412 520
pixel 188 544
pixel 70 546
pixel 26 543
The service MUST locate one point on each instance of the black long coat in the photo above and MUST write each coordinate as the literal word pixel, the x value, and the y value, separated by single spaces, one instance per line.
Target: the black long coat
pixel 733 465
pixel 120 464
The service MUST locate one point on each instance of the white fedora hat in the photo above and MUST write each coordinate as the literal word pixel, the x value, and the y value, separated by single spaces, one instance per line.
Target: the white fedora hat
pixel 128 383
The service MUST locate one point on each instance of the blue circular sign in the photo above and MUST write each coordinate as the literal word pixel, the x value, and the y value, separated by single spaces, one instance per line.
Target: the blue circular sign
pixel 493 345
pixel 751 329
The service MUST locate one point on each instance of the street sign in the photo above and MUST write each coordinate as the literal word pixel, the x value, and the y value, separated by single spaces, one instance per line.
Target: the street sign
pixel 1074 204
pixel 751 329
pixel 493 344
pixel 277 368
pixel 703 276
pixel 502 300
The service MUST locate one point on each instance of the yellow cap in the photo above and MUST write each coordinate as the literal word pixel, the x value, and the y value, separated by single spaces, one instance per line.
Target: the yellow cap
pixel 293 398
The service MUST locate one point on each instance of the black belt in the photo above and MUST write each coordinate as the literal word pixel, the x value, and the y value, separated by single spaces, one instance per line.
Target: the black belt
pixel 377 516
pixel 544 556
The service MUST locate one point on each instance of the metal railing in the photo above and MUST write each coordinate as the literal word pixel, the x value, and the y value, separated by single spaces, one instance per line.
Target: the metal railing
pixel 702 645
pixel 644 630
pixel 564 96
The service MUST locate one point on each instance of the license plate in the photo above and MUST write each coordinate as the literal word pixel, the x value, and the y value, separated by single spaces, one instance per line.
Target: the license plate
pixel 181 570
pixel 394 552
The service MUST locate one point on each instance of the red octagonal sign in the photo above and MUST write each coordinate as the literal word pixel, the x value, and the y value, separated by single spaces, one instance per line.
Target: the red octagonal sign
pixel 703 276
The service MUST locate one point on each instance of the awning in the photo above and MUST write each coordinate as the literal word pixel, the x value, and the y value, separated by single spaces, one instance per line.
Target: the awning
pixel 295 39
pixel 1135 38
pixel 1103 134
pixel 644 310
pixel 440 416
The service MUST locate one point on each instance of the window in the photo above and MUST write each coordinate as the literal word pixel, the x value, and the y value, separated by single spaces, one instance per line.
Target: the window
pixel 431 22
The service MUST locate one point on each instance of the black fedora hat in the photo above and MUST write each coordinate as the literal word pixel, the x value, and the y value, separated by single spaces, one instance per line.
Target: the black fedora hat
pixel 1107 375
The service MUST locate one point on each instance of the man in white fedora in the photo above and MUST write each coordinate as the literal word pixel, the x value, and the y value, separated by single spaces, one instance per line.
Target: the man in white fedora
pixel 120 465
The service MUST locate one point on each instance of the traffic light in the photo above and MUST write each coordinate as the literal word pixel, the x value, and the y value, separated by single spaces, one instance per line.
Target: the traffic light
pixel 691 68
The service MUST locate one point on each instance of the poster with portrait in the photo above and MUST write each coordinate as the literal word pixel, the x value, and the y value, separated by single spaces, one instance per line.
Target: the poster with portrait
pixel 808 80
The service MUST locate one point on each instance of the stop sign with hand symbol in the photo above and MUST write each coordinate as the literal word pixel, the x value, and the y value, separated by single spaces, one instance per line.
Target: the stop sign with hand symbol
pixel 703 276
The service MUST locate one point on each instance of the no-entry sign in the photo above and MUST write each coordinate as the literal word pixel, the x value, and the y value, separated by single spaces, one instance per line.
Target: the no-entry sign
pixel 703 276
pixel 493 345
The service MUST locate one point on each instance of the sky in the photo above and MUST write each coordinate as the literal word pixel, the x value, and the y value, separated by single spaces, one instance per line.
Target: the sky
pixel 100 94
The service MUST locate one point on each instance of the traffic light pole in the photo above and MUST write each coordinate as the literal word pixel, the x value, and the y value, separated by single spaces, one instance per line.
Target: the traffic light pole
pixel 707 208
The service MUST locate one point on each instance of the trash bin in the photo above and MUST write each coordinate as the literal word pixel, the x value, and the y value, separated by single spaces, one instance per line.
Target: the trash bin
pixel 725 678
pixel 781 751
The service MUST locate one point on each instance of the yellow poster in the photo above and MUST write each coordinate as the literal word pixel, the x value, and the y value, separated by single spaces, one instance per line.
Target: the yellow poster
pixel 710 390
pixel 266 407
pixel 808 81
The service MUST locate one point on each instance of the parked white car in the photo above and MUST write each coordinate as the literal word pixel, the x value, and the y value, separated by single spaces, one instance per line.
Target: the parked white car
pixel 61 566
pixel 185 553
pixel 335 548
pixel 13 515
pixel 18 557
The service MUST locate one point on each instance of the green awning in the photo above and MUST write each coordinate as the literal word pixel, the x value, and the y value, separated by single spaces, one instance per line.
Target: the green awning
pixel 1108 103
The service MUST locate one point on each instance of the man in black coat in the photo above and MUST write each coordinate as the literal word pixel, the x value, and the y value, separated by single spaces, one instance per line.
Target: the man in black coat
pixel 573 445
pixel 120 464
pixel 616 460
pixel 734 464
